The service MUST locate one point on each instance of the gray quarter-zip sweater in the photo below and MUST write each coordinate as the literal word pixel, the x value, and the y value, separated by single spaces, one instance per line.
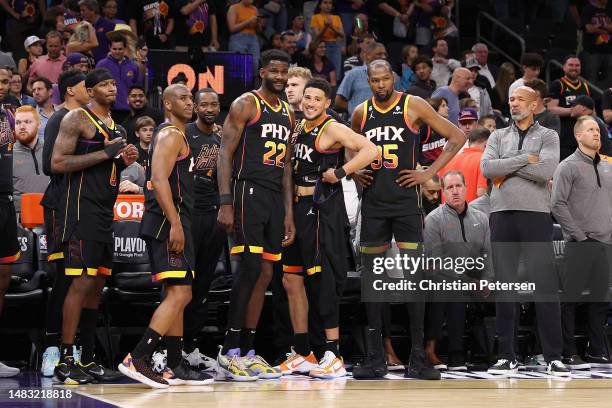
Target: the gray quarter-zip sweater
pixel 28 176
pixel 449 234
pixel 581 193
pixel 525 187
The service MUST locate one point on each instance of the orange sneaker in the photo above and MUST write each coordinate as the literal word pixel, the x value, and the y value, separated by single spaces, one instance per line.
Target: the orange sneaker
pixel 297 363
pixel 329 367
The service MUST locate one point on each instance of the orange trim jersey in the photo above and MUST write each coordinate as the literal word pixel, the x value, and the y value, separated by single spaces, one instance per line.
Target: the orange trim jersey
pixel 91 192
pixel 260 156
pixel 398 148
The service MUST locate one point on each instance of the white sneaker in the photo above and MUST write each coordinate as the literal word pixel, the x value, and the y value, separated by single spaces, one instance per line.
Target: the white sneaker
pixel 297 363
pixel 199 361
pixel 159 361
pixel 329 367
pixel 6 371
pixel 557 369
pixel 51 357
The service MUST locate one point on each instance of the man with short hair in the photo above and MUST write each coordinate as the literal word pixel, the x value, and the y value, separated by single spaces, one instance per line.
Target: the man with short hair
pixel 443 67
pixel 461 81
pixel 424 85
pixel 521 160
pixel 27 155
pixel 477 91
pixel 531 64
pixel 288 44
pixel 354 88
pixel 585 106
pixel 468 120
pixel 139 106
pixel 51 65
pixel 584 177
pixel 125 72
pixel 544 117
pixel 467 163
pixel 42 90
pixel 489 71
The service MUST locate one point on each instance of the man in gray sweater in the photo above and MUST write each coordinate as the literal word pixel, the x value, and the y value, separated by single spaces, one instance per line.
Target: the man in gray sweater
pixel 454 230
pixel 581 204
pixel 521 159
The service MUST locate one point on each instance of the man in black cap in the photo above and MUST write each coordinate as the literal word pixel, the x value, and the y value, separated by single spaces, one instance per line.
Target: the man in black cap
pixel 581 106
pixel 91 152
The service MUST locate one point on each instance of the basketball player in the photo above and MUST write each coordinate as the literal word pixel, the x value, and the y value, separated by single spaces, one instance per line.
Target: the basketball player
pixel 391 205
pixel 318 255
pixel 166 228
pixel 209 238
pixel 255 200
pixel 92 153
pixel 9 246
pixel 74 94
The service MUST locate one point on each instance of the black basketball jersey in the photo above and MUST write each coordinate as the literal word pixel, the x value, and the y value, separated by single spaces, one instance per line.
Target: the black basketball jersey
pixel 7 140
pixel 91 192
pixel 566 91
pixel 260 156
pixel 398 147
pixel 54 194
pixel 309 161
pixel 154 223
pixel 205 148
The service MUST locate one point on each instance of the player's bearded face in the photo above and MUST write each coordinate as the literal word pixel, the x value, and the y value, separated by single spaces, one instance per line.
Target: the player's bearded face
pixel 208 108
pixel 275 76
pixel 381 83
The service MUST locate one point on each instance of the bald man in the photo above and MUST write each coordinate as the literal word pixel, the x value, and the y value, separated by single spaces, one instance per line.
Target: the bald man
pixel 166 228
pixel 521 160
pixel 461 81
pixel 391 205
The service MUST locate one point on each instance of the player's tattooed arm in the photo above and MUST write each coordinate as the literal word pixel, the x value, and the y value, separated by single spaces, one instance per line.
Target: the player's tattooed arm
pixel 63 159
pixel 241 112
pixel 420 112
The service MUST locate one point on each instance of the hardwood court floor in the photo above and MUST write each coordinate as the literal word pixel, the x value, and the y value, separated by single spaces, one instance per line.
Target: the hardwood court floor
pixel 296 392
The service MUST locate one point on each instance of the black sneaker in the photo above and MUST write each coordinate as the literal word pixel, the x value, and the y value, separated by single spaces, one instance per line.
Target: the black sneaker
pixel 456 362
pixel 598 361
pixel 576 363
pixel 184 375
pixel 99 373
pixel 504 367
pixel 419 367
pixel 558 369
pixel 138 369
pixel 70 374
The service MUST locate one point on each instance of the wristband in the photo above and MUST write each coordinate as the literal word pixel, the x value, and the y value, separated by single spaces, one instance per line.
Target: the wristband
pixel 225 199
pixel 112 150
pixel 340 173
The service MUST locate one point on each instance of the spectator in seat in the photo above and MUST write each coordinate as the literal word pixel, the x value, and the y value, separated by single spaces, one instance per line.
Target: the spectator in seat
pixel 78 61
pixel 22 18
pixel 562 93
pixel 16 89
pixel 154 21
pixel 357 55
pixel 139 107
pixel 443 67
pixel 28 176
pixel 596 21
pixel 544 117
pixel 488 122
pixel 83 40
pixel 34 47
pixel 476 91
pixel 288 44
pixel 49 65
pixel 242 25
pixel 423 86
pixel 90 11
pixel 110 10
pixel 42 90
pixel 531 64
pixel 432 143
pixel 143 130
pixel 489 71
pixel 408 77
pixel 461 81
pixel 326 26
pixel 319 65
pixel 500 93
pixel 468 120
pixel 202 29
pixel 125 72
pixel 302 38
